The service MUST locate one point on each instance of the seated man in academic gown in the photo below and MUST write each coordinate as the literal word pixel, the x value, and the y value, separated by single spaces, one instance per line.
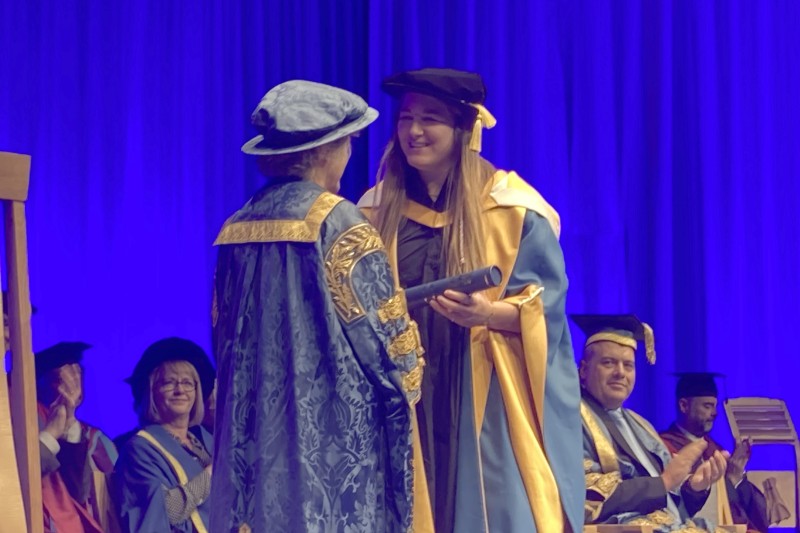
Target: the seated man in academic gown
pixel 631 477
pixel 70 449
pixel 696 402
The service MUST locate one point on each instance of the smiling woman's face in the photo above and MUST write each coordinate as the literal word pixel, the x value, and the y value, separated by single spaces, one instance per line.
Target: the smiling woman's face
pixel 174 390
pixel 426 132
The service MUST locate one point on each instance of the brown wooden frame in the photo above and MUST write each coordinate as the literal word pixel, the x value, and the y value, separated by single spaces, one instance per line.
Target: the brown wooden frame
pixel 14 182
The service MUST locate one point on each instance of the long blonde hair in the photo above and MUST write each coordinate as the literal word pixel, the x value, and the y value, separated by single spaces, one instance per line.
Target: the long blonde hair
pixel 463 239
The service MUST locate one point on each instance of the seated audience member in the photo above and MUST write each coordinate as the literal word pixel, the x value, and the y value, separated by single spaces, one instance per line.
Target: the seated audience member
pixel 696 405
pixel 631 478
pixel 207 379
pixel 163 475
pixel 70 449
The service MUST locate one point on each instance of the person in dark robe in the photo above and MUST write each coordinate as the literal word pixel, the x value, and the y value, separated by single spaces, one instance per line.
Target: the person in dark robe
pixel 70 449
pixel 696 397
pixel 319 364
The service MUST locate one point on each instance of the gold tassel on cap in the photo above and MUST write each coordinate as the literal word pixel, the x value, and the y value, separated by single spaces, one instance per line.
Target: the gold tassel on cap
pixel 649 344
pixel 483 120
pixel 628 338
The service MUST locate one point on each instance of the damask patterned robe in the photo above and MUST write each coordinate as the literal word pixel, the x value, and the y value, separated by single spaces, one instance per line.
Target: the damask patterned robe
pixel 619 489
pixel 319 364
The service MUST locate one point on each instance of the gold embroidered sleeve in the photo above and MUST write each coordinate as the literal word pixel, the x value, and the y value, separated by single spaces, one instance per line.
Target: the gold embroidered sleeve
pixel 405 348
pixel 603 484
pixel 598 488
pixel 355 243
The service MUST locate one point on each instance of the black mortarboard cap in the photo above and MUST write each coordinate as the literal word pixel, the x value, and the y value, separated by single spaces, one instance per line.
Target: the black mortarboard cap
pixel 58 355
pixel 693 384
pixel 622 329
pixel 452 85
pixel 465 89
pixel 171 349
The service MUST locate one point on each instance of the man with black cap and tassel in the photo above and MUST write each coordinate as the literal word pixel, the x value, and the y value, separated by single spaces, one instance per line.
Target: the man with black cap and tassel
pixel 631 477
pixel 733 498
pixel 70 449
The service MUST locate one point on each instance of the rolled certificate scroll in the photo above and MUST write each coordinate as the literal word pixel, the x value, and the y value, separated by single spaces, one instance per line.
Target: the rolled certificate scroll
pixel 470 282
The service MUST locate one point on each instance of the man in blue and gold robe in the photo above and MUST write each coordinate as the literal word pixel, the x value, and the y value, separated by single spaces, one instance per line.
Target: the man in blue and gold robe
pixel 631 477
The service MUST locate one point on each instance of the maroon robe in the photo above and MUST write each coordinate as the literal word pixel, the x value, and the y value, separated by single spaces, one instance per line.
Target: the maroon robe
pixel 748 505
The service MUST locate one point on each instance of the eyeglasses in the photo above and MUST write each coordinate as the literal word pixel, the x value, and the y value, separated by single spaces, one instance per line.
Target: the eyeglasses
pixel 170 385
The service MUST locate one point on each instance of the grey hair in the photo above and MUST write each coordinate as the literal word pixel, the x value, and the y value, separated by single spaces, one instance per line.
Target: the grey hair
pixel 298 163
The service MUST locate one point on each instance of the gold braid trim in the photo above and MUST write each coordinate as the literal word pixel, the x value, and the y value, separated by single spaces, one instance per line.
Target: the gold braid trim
pixel 622 340
pixel 656 518
pixel 663 518
pixel 603 484
pixel 306 230
pixel 393 308
pixel 412 382
pixel 406 342
pixel 351 246
pixel 605 450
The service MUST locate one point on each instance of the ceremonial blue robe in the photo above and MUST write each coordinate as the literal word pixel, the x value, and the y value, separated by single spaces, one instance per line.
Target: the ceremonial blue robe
pixel 619 488
pixel 318 365
pixel 143 475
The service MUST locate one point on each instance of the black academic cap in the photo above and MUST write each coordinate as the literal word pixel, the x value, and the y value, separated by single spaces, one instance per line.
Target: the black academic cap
pixel 58 355
pixel 171 349
pixel 621 329
pixel 693 384
pixel 459 87
pixel 456 86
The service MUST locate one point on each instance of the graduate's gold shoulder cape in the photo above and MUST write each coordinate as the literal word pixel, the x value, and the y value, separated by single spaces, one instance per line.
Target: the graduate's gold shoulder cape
pixel 519 360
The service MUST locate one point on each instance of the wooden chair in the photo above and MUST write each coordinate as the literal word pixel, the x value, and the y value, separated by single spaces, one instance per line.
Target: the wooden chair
pixel 767 422
pixel 20 472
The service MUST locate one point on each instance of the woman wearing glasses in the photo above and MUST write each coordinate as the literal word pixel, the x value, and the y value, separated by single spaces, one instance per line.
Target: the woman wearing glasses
pixel 164 472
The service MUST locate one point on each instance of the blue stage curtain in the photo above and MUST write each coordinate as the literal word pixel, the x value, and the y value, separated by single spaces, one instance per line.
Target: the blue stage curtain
pixel 667 134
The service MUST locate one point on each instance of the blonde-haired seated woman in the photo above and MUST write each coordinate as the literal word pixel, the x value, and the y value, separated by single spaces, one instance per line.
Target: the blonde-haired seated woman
pixel 163 475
